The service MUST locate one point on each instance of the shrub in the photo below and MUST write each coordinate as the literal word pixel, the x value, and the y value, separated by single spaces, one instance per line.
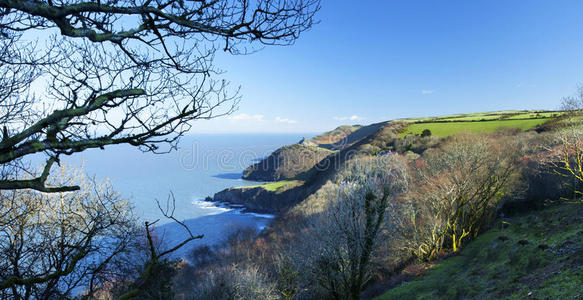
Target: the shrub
pixel 460 186
pixel 339 243
pixel 567 158
pixel 235 282
pixel 425 132
pixel 417 144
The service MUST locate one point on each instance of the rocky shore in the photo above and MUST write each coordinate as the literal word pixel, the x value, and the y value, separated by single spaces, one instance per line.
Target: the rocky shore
pixel 255 199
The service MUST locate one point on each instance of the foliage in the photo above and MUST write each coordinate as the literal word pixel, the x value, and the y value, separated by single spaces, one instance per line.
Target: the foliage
pixel 540 183
pixel 414 143
pixel 425 132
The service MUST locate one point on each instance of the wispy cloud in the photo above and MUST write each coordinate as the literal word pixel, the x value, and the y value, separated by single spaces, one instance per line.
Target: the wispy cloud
pixel 525 85
pixel 427 92
pixel 285 120
pixel 246 117
pixel 351 118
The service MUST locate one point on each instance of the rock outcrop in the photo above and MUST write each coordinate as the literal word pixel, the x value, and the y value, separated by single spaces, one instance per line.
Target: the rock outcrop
pixel 258 199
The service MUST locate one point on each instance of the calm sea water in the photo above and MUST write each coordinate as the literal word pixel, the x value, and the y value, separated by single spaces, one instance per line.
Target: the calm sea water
pixel 202 166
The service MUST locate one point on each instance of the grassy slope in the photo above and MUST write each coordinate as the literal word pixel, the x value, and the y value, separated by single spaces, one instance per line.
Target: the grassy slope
pixel 447 129
pixel 335 135
pixel 360 133
pixel 318 148
pixel 493 115
pixel 540 255
pixel 277 185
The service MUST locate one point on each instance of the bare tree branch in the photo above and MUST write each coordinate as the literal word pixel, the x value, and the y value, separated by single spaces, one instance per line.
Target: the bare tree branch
pixel 104 84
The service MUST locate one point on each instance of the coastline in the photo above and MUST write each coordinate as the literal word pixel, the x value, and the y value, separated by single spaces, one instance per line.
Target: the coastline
pixel 214 227
pixel 226 206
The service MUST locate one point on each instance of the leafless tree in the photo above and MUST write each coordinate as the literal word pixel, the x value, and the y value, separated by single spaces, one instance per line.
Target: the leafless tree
pixel 52 244
pixel 342 240
pixel 460 185
pixel 154 280
pixel 573 104
pixel 567 156
pixel 78 75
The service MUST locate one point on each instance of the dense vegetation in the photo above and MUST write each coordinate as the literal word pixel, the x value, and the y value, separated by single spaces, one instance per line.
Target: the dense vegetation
pixel 446 200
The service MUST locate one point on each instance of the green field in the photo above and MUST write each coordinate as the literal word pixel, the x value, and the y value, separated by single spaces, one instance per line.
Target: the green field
pixel 447 129
pixel 275 186
pixel 488 116
pixel 539 256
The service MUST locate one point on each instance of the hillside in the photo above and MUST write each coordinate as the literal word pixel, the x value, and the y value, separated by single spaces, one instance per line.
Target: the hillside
pixel 335 135
pixel 289 161
pixel 285 163
pixel 481 215
pixel 357 134
pixel 315 164
pixel 308 182
pixel 537 255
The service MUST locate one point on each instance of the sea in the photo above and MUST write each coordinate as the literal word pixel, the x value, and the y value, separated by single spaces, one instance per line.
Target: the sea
pixel 202 165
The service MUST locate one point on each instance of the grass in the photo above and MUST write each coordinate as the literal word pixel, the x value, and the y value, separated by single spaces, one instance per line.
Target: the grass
pixel 539 256
pixel 277 185
pixel 488 116
pixel 447 129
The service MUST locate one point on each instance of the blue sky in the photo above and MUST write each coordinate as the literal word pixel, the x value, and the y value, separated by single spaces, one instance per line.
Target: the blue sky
pixel 370 61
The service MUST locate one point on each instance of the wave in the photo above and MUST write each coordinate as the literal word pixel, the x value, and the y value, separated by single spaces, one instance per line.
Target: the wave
pixel 212 207
pixel 222 207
